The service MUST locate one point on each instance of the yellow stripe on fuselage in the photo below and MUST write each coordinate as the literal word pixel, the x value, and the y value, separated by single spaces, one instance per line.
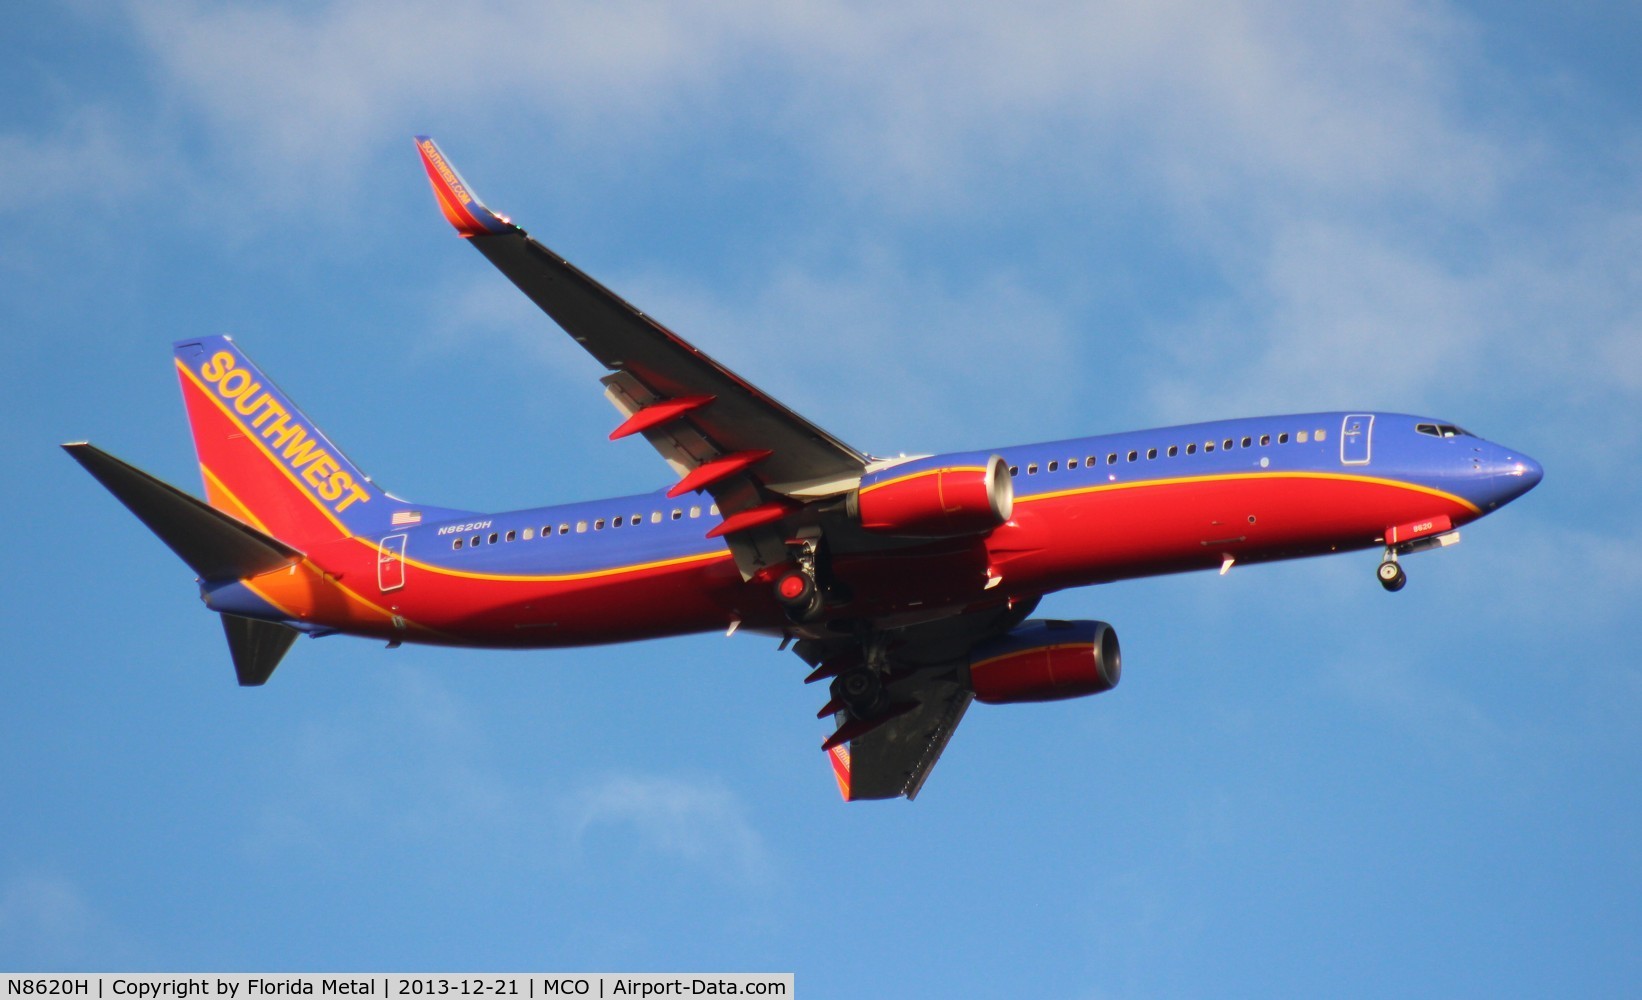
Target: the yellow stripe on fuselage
pixel 1251 476
pixel 569 577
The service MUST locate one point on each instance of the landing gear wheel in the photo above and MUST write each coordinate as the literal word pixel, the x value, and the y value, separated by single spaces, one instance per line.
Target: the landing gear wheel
pixel 1392 577
pixel 795 588
pixel 860 691
pixel 796 591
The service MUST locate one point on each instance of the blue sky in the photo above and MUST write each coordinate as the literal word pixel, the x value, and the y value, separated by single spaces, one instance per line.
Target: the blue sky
pixel 926 226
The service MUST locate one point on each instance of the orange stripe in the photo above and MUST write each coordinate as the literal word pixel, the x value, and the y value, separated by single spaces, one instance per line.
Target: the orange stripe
pixel 294 595
pixel 226 501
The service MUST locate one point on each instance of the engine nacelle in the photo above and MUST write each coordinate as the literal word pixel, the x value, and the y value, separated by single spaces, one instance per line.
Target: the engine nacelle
pixel 1046 661
pixel 936 498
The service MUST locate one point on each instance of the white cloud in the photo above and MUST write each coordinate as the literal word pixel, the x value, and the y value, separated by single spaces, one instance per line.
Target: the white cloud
pixel 699 823
pixel 47 922
pixel 85 157
pixel 1421 707
pixel 416 770
pixel 900 98
pixel 1372 237
pixel 317 85
pixel 882 349
pixel 413 765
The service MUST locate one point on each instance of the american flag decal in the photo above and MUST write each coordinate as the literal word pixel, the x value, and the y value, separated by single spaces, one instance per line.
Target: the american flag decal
pixel 404 517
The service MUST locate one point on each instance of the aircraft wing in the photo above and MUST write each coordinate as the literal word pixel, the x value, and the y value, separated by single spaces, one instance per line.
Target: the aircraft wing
pixel 720 433
pixel 928 692
pixel 894 759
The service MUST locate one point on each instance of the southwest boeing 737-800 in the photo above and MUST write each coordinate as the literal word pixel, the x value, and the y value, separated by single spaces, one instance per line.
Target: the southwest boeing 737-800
pixel 906 583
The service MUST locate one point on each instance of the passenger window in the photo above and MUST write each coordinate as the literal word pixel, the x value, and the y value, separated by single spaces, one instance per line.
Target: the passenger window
pixel 1283 438
pixel 1321 435
pixel 713 510
pixel 581 526
pixel 512 536
pixel 655 517
pixel 1053 466
pixel 1191 449
pixel 474 541
pixel 1228 444
pixel 1111 459
pixel 1071 463
pixel 492 538
pixel 456 544
pixel 564 529
pixel 529 534
pixel 1032 469
pixel 635 519
pixel 1151 453
pixel 695 511
pixel 1208 446
pixel 1174 450
pixel 1134 455
pixel 1265 439
pixel 617 522
pixel 1300 438
pixel 1014 470
pixel 677 513
pixel 598 524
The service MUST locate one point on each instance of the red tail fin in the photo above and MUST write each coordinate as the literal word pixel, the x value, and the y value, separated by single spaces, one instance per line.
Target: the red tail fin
pixel 263 461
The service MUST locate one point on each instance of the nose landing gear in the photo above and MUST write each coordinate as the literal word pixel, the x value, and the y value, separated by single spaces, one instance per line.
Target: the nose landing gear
pixel 1392 577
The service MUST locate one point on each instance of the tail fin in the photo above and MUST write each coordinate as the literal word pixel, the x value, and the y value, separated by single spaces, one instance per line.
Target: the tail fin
pixel 263 461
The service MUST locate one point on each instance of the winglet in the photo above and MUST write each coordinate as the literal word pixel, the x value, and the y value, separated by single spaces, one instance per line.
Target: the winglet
pixel 460 205
pixel 840 758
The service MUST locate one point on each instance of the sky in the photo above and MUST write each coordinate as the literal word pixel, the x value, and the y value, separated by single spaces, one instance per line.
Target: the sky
pixel 925 226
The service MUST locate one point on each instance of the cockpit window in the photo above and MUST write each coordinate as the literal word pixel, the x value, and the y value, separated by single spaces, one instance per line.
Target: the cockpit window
pixel 1442 430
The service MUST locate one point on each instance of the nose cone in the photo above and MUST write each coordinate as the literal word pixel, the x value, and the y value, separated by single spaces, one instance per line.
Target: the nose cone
pixel 1529 471
pixel 1513 474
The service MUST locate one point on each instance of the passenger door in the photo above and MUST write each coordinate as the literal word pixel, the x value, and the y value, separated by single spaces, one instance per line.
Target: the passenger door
pixel 1356 438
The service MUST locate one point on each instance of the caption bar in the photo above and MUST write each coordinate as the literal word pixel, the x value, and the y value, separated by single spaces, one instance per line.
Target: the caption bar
pixel 510 986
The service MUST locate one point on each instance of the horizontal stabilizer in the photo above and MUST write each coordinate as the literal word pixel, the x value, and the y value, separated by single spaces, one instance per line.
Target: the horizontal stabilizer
pixel 215 546
pixel 256 646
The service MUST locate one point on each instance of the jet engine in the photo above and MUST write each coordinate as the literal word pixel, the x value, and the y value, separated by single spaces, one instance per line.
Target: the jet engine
pixel 1046 660
pixel 935 501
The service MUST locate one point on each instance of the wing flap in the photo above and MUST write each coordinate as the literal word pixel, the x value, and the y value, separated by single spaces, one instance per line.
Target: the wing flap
pixel 895 759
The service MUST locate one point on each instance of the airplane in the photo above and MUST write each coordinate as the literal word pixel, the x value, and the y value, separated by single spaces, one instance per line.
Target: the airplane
pixel 906 583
